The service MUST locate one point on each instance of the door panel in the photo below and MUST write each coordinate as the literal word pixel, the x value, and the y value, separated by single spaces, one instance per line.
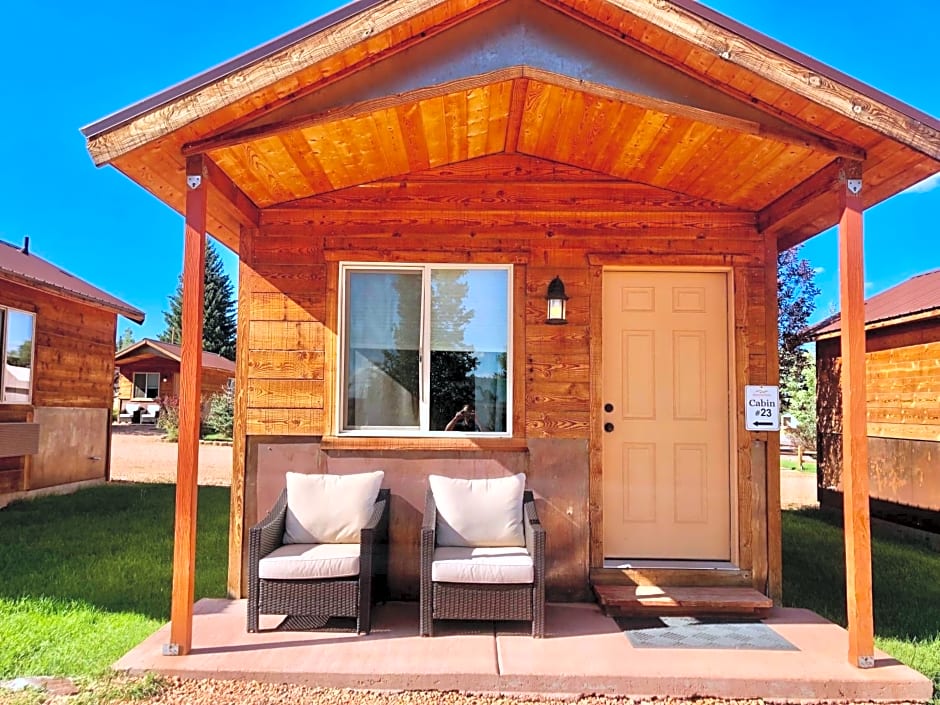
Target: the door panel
pixel 666 372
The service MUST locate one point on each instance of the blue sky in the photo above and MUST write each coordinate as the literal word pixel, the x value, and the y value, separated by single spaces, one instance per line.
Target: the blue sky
pixel 67 64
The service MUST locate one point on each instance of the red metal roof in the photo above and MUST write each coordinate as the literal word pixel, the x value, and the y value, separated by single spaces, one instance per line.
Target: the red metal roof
pixel 28 269
pixel 917 295
pixel 175 352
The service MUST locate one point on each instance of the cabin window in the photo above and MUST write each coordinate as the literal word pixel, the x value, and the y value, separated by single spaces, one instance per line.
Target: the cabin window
pixel 146 385
pixel 425 349
pixel 17 332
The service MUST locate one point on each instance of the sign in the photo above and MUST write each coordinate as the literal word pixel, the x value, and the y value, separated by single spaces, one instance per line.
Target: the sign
pixel 761 408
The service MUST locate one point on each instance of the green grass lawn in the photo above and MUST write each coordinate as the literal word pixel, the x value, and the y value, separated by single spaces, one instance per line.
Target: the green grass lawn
pixel 85 577
pixel 905 585
pixel 790 464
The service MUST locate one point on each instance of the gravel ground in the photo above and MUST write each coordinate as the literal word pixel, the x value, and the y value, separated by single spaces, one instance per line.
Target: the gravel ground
pixel 139 454
pixel 209 692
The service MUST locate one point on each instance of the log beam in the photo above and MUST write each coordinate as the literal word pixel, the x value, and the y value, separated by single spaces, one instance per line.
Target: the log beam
pixel 854 420
pixel 187 471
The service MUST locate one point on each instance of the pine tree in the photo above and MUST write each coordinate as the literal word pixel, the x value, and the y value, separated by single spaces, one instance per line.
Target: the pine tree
pixel 219 327
pixel 126 339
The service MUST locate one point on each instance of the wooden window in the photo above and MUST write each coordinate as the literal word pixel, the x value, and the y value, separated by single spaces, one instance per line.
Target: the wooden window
pixel 424 349
pixel 146 385
pixel 17 332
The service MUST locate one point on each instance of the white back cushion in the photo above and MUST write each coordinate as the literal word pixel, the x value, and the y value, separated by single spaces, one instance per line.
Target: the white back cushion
pixel 329 508
pixel 483 512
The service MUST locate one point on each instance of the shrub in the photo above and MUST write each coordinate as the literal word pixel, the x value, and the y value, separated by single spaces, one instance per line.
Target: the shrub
pixel 169 418
pixel 221 416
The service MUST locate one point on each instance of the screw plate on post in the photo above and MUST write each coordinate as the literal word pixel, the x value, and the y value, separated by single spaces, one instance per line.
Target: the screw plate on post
pixel 866 661
pixel 171 649
pixel 194 181
pixel 854 186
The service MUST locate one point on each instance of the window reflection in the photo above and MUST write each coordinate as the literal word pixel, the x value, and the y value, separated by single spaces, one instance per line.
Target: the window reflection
pixel 383 336
pixel 460 359
pixel 16 332
pixel 468 350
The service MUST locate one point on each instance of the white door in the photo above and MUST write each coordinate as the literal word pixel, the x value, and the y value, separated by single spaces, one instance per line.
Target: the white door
pixel 666 415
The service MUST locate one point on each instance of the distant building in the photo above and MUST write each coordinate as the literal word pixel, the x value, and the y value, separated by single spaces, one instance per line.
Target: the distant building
pixel 57 335
pixel 903 396
pixel 149 370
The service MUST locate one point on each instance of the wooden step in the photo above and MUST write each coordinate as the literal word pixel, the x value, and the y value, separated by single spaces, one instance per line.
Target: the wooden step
pixel 653 600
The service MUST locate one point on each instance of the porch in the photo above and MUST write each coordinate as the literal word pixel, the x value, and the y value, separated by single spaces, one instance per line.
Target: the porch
pixel 584 652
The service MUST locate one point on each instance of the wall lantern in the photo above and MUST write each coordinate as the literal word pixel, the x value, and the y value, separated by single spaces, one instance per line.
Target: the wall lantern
pixel 165 378
pixel 556 302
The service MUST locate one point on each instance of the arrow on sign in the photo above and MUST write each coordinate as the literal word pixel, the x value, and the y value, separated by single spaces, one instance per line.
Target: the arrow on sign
pixel 763 423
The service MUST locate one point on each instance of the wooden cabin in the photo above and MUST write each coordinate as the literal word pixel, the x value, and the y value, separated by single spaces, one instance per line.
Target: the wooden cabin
pixel 149 370
pixel 902 329
pixel 403 181
pixel 57 336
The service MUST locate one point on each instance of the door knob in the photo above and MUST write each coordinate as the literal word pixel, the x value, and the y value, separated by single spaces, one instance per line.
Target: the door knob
pixel 608 427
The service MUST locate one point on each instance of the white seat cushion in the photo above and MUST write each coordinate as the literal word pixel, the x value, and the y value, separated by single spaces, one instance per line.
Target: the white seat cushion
pixel 481 512
pixel 298 561
pixel 329 508
pixel 458 564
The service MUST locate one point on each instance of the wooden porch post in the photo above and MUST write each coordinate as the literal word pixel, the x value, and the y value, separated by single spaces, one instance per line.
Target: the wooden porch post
pixel 854 420
pixel 184 544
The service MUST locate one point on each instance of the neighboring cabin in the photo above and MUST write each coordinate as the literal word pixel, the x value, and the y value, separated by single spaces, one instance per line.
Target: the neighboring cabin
pixel 57 334
pixel 149 370
pixel 902 327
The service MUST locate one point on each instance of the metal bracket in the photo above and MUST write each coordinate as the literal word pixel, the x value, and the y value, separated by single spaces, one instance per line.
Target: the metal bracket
pixel 194 181
pixel 171 649
pixel 866 661
pixel 854 186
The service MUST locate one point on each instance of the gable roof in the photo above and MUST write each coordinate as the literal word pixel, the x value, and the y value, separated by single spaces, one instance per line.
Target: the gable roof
pixel 663 16
pixel 19 265
pixel 267 144
pixel 174 352
pixel 917 297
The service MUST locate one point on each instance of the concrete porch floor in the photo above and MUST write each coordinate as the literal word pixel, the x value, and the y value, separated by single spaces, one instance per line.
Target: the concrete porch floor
pixel 584 652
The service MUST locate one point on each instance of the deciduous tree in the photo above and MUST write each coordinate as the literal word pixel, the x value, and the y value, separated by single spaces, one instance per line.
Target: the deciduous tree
pixel 796 298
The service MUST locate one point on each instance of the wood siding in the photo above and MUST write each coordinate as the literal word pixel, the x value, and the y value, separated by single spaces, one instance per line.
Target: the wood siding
pixel 476 213
pixel 73 367
pixel 903 398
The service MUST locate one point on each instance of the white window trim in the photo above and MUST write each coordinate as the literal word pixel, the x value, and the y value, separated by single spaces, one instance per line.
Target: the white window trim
pixel 4 329
pixel 134 386
pixel 425 377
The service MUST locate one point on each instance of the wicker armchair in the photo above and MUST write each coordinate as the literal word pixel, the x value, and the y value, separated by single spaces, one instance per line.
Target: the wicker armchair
pixel 483 600
pixel 308 604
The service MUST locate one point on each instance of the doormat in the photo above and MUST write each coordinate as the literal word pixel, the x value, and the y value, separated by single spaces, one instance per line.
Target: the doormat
pixel 693 633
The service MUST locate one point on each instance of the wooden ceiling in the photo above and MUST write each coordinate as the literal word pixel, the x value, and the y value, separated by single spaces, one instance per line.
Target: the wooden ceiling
pixel 530 112
pixel 785 177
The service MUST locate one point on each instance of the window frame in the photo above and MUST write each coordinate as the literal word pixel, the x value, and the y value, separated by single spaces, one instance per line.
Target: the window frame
pixel 134 386
pixel 4 330
pixel 425 268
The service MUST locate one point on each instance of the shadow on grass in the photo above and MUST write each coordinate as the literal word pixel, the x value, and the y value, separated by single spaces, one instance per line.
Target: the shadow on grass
pixel 905 584
pixel 110 546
